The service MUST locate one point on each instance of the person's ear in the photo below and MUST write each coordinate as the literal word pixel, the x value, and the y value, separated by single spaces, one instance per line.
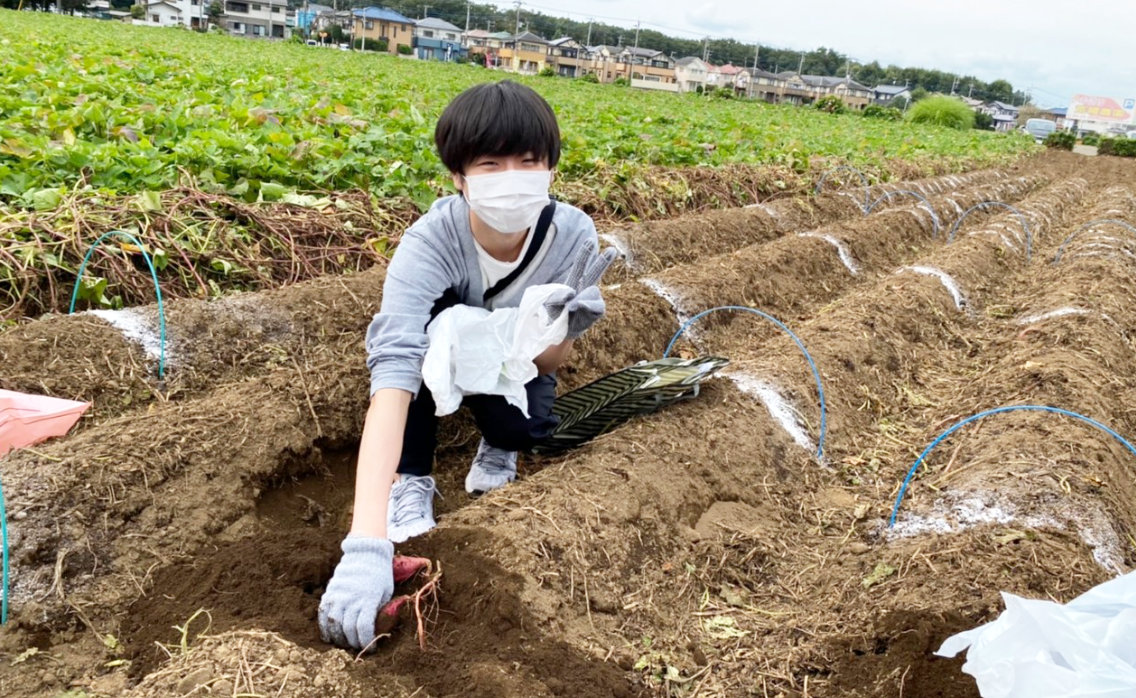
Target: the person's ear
pixel 458 181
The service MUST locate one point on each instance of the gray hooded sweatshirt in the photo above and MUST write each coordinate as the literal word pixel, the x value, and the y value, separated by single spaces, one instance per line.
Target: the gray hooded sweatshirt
pixel 436 254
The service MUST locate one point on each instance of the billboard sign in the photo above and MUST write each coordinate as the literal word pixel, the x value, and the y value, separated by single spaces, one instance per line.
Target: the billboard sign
pixel 1105 110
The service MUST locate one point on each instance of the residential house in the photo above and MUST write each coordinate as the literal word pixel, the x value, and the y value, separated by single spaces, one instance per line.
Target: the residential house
pixel 653 69
pixel 1004 115
pixel 489 44
pixel 380 24
pixel 780 88
pixel 974 104
pixel 722 76
pixel 1004 122
pixel 475 40
pixel 436 39
pixel 96 9
pixel 743 82
pixel 307 14
pixel 161 13
pixel 194 13
pixel 568 57
pixel 525 53
pixel 853 94
pixel 690 73
pixel 603 62
pixel 884 94
pixel 1058 115
pixel 996 107
pixel 640 67
pixel 325 20
pixel 259 18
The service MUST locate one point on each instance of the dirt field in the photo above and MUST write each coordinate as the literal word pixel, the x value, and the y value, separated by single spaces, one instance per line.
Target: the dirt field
pixel 178 541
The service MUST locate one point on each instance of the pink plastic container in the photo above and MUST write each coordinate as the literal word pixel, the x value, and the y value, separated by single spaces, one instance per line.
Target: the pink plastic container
pixel 28 419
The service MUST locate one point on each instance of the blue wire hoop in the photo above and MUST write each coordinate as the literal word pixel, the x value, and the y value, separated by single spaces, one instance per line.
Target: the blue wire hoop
pixel 800 345
pixel 987 413
pixel 935 225
pixel 4 542
pixel 1008 207
pixel 1099 221
pixel 846 168
pixel 157 290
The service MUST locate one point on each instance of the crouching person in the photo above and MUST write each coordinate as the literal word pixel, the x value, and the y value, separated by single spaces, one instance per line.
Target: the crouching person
pixel 482 247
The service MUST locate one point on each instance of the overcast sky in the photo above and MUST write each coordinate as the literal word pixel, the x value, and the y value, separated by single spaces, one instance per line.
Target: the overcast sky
pixel 1054 49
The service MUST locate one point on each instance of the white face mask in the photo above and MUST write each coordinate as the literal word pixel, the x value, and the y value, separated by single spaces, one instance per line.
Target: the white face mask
pixel 509 201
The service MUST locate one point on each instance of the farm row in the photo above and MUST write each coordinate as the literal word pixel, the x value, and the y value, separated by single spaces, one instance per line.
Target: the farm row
pixel 704 549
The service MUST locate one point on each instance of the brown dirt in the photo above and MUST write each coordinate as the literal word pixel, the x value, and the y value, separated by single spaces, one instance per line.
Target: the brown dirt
pixel 243 335
pixel 896 657
pixel 697 551
pixel 789 276
pixel 265 245
pixel 656 245
pixel 274 579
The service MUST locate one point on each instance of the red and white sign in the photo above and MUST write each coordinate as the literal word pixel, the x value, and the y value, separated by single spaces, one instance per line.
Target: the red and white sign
pixel 1104 109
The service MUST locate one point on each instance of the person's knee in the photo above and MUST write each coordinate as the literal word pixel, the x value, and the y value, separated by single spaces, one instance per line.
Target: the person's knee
pixel 506 427
pixel 512 433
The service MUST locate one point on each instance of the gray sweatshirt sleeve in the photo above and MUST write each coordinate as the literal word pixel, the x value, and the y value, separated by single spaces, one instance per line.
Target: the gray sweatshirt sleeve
pixel 419 273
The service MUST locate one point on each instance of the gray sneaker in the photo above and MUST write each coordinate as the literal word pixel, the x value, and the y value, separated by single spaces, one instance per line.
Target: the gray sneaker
pixel 492 469
pixel 410 511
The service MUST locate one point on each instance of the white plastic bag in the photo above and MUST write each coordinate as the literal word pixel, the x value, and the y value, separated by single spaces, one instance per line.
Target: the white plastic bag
pixel 1041 649
pixel 477 352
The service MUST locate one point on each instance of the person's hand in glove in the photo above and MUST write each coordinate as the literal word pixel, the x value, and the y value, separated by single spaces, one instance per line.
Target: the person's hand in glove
pixel 363 582
pixel 583 301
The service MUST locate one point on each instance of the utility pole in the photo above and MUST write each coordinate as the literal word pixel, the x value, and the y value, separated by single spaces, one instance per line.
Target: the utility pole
pixel 518 28
pixel 706 48
pixel 467 16
pixel 589 41
pixel 970 92
pixel 801 65
pixel 425 11
pixel 636 34
pixel 753 75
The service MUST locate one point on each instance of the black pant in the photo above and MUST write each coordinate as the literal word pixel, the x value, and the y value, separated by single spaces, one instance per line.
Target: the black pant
pixel 502 425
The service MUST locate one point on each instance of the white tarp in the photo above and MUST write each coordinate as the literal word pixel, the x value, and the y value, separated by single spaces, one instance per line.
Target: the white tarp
pixel 1041 649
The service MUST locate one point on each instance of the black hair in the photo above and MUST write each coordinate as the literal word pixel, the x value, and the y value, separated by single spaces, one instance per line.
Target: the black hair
pixel 496 118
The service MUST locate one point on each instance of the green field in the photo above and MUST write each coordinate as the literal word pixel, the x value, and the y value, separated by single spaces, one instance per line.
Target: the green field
pixel 127 109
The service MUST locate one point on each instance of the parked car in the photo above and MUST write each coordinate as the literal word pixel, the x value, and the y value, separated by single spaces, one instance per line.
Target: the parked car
pixel 1040 128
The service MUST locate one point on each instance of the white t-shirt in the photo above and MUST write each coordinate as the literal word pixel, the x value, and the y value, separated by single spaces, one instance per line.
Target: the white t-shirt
pixel 492 269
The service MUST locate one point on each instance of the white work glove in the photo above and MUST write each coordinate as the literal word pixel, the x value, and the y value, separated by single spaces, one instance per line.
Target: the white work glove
pixel 582 300
pixel 363 582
